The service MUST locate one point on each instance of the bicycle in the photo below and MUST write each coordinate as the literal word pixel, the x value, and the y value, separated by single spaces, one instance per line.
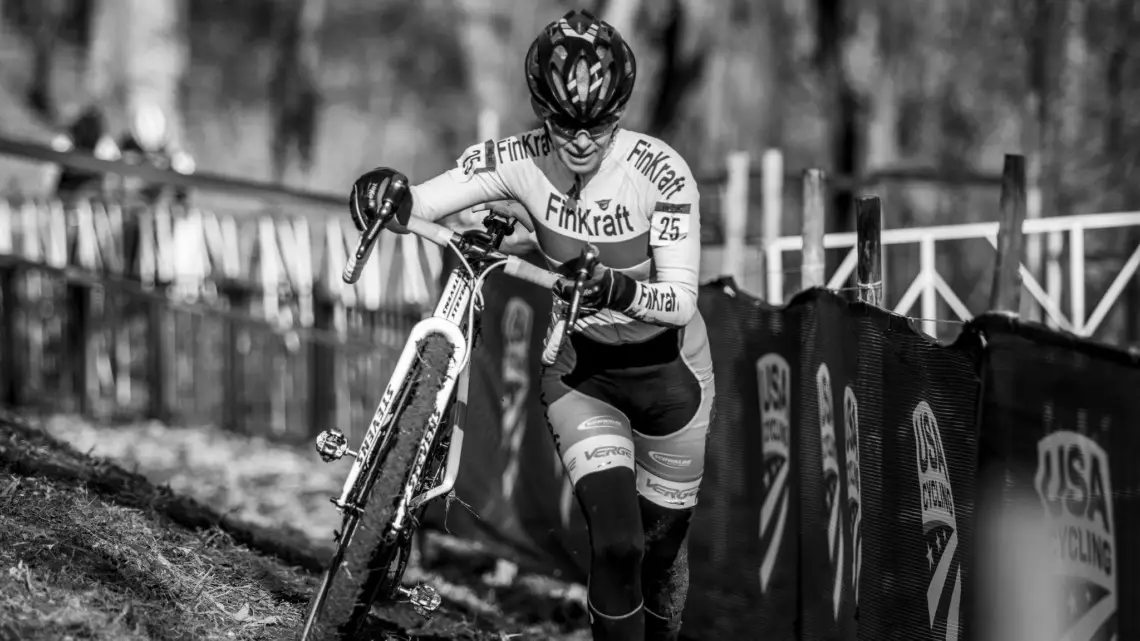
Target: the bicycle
pixel 410 454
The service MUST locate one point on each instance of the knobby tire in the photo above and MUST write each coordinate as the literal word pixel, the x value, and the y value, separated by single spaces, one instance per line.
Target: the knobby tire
pixel 368 555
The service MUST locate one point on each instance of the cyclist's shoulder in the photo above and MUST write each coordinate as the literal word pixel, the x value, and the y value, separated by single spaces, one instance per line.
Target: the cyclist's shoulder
pixel 654 164
pixel 526 150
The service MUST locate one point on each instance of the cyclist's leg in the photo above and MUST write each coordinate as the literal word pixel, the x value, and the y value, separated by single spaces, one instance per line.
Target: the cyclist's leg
pixel 596 446
pixel 671 429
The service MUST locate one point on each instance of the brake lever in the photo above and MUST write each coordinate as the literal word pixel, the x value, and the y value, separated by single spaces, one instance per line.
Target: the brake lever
pixel 564 326
pixel 356 261
pixel 587 260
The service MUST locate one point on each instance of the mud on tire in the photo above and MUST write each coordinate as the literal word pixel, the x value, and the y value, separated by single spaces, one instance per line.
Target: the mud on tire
pixel 366 559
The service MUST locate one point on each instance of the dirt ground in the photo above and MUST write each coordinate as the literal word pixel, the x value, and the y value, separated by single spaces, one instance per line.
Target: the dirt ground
pixel 89 550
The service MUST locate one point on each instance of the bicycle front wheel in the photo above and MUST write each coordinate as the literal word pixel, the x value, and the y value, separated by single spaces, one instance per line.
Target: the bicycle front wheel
pixel 368 544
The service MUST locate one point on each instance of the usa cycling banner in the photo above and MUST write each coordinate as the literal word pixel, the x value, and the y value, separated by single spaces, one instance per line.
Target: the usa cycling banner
pixel 1060 426
pixel 918 447
pixel 828 466
pixel 743 545
pixel 840 497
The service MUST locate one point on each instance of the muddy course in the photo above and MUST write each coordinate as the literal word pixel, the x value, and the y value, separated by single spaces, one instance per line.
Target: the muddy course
pixel 90 550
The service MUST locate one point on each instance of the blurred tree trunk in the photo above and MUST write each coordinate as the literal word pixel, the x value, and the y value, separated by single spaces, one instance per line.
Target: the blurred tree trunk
pixel 47 17
pixel 496 38
pixel 1121 141
pixel 295 97
pixel 158 57
pixel 107 53
pixel 684 53
pixel 843 110
pixel 138 53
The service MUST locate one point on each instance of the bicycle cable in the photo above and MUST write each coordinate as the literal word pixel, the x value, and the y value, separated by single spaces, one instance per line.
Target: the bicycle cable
pixel 477 298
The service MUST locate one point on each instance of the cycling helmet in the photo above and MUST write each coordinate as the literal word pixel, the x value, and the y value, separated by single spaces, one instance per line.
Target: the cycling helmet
pixel 580 71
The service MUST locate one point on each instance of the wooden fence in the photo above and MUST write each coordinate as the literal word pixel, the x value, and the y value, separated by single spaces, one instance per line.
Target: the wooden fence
pixel 243 321
pixel 186 316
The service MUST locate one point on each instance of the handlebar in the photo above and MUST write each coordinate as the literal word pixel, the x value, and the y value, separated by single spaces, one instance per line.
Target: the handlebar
pixel 564 326
pixel 442 236
pixel 512 265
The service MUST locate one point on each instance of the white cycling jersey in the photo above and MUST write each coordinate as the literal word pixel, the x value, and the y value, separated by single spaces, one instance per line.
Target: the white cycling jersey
pixel 641 209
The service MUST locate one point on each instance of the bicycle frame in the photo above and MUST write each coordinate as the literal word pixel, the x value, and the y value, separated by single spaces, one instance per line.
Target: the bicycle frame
pixel 450 315
pixel 454 319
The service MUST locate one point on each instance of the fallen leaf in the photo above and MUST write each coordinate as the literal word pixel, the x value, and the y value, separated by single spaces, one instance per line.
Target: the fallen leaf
pixel 243 613
pixel 11 488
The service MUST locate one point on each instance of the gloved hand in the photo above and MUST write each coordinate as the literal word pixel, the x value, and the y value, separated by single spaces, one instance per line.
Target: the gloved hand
pixel 371 190
pixel 606 289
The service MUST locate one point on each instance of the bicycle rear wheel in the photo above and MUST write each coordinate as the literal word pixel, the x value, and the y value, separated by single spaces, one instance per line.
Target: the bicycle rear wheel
pixel 368 545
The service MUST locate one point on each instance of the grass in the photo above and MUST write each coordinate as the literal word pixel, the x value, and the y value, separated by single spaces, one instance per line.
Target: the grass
pixel 79 566
pixel 89 550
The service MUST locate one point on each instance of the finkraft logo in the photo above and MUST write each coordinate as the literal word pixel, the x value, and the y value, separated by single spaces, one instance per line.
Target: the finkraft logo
pixel 566 213
pixel 656 166
pixel 523 146
pixel 670 460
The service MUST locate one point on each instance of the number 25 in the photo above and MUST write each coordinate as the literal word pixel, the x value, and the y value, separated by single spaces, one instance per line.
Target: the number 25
pixel 669 229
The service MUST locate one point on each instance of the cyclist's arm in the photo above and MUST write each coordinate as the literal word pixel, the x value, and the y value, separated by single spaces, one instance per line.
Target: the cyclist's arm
pixel 476 178
pixel 670 297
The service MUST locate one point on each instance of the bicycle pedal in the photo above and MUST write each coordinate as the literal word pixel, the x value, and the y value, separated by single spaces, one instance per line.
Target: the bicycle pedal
pixel 424 599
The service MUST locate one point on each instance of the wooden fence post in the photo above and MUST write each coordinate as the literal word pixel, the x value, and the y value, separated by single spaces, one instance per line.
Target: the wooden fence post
pixel 868 234
pixel 322 377
pixel 11 367
pixel 77 344
pixel 237 341
pixel 772 198
pixel 735 216
pixel 1005 295
pixel 814 221
pixel 157 267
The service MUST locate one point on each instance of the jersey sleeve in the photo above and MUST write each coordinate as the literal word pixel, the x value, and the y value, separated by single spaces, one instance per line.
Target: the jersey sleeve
pixel 670 296
pixel 477 177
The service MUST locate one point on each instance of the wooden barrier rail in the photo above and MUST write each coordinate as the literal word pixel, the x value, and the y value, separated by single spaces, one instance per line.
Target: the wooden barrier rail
pixel 180 314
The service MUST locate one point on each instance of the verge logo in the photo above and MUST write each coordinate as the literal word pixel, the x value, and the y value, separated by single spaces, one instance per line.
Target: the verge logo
pixel 775 380
pixel 829 456
pixel 1073 483
pixel 939 524
pixel 854 491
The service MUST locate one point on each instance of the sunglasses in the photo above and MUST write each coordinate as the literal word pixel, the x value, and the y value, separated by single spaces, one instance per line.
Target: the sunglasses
pixel 568 128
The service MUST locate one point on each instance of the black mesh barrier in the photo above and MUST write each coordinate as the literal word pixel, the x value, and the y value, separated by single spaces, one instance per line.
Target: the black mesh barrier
pixel 743 545
pixel 917 414
pixel 841 493
pixel 1060 423
pixel 829 507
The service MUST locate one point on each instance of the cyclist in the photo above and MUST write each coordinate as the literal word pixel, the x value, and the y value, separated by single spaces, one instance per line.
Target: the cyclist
pixel 630 397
